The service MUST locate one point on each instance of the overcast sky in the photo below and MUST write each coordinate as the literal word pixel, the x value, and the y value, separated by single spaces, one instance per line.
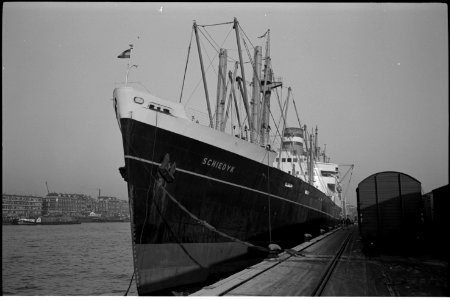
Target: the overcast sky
pixel 373 77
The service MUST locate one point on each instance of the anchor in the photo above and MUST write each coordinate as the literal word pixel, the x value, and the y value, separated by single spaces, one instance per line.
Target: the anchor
pixel 167 169
pixel 123 172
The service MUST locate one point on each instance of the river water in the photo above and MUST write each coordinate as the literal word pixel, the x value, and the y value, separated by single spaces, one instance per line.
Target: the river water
pixel 86 259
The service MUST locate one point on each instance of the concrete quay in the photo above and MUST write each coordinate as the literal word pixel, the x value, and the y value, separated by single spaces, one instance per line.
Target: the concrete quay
pixel 301 270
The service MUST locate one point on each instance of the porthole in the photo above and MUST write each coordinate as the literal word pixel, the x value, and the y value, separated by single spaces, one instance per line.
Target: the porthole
pixel 138 100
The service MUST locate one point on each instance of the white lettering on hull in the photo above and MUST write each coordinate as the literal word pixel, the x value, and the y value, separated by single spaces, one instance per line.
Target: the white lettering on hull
pixel 218 164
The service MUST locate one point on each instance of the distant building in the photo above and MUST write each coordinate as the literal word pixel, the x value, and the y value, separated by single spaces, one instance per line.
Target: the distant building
pixel 75 205
pixel 21 206
pixel 109 206
pixel 67 204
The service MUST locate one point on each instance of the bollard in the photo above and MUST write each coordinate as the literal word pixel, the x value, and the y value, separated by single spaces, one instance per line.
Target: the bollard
pixel 307 237
pixel 274 250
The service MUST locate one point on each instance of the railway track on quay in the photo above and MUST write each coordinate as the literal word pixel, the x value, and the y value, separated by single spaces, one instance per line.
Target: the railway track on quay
pixel 305 270
pixel 328 272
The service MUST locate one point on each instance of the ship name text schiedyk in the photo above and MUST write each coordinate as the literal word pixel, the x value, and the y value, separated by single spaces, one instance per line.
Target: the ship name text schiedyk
pixel 217 164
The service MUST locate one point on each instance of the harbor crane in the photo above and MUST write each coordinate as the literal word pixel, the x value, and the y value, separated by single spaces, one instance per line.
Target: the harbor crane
pixel 46 184
pixel 339 186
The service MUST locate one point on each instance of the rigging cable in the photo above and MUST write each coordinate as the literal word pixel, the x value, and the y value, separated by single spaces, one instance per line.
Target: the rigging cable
pixel 229 59
pixel 214 47
pixel 216 24
pixel 296 112
pixel 187 61
pixel 200 80
pixel 210 64
pixel 242 30
pixel 211 37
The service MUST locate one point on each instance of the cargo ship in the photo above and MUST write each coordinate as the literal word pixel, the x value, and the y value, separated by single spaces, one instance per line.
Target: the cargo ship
pixel 206 199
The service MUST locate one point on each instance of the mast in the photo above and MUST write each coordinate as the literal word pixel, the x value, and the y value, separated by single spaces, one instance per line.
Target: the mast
pixel 266 101
pixel 232 77
pixel 256 94
pixel 265 113
pixel 267 85
pixel 225 116
pixel 284 126
pixel 311 160
pixel 316 140
pixel 221 89
pixel 285 112
pixel 306 137
pixel 244 91
pixel 266 94
pixel 296 113
pixel 247 109
pixel 203 75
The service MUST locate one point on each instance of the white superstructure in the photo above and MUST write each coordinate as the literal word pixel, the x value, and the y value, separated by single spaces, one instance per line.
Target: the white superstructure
pixel 297 159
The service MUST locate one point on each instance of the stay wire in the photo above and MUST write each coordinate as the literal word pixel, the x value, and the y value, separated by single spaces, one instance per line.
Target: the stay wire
pixel 200 80
pixel 187 61
pixel 211 37
pixel 242 30
pixel 214 47
pixel 211 63
pixel 215 24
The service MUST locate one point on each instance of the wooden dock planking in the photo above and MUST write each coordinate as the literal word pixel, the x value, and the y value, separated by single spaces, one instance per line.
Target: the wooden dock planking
pixel 281 265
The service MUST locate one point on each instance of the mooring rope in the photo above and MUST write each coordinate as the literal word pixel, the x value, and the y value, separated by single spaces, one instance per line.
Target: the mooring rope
pixel 129 286
pixel 209 226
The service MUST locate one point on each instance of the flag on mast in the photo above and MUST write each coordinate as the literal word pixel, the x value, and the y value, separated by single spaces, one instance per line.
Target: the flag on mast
pixel 125 54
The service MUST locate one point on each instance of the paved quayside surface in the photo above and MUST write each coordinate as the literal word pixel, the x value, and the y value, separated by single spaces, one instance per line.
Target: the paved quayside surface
pixel 308 270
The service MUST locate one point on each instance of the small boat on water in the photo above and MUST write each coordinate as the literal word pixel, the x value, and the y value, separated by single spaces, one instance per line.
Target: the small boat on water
pixel 27 221
pixel 206 199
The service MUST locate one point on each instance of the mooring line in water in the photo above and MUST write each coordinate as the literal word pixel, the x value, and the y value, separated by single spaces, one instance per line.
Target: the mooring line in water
pixel 131 280
pixel 173 233
pixel 209 226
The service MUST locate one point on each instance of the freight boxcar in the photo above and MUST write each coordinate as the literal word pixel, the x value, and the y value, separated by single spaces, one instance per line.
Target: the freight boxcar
pixel 389 208
pixel 436 210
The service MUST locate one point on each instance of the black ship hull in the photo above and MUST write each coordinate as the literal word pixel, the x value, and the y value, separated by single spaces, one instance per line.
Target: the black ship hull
pixel 198 209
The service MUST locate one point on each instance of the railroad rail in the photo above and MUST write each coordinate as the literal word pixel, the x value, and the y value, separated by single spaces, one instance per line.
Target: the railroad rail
pixel 318 290
pixel 231 285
